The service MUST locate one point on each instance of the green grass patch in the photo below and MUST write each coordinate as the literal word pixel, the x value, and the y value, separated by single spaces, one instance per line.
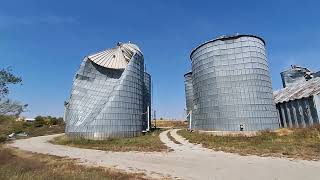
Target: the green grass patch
pixel 149 142
pixel 302 143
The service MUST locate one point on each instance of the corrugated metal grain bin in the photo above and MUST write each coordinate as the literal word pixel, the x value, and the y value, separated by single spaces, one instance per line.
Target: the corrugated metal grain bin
pixel 188 91
pixel 232 86
pixel 107 96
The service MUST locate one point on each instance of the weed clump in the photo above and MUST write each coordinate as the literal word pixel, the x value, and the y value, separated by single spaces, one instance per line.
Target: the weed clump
pixel 300 143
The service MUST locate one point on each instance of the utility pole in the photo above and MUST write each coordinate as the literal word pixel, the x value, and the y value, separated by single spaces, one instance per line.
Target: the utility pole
pixel 155 119
pixel 148 118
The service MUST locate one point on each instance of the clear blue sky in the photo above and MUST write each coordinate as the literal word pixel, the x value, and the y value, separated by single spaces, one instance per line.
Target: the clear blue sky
pixel 45 41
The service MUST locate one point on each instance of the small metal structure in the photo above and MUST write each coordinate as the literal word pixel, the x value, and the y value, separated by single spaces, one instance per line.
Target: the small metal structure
pixel 296 74
pixel 231 85
pixel 299 105
pixel 110 95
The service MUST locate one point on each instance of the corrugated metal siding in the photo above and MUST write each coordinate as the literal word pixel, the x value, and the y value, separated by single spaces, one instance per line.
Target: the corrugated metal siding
pixel 115 58
pixel 188 91
pixel 292 76
pixel 298 91
pixel 298 113
pixel 147 98
pixel 232 86
pixel 316 100
pixel 317 74
pixel 106 102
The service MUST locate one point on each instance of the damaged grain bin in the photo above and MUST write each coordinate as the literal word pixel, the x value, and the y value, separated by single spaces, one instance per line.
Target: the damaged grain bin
pixel 231 85
pixel 299 105
pixel 296 74
pixel 108 95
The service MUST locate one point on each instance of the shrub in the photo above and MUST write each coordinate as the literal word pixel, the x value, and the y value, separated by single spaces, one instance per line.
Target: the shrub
pixel 47 120
pixel 39 121
pixel 3 138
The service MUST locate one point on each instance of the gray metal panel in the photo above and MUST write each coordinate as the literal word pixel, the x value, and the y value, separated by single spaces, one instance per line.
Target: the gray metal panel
pixel 317 74
pixel 147 97
pixel 188 91
pixel 106 102
pixel 298 113
pixel 232 86
pixel 291 77
pixel 316 100
pixel 298 91
pixel 115 58
pixel 223 38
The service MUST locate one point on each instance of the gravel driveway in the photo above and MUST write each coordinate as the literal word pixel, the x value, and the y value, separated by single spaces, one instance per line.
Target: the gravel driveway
pixel 186 161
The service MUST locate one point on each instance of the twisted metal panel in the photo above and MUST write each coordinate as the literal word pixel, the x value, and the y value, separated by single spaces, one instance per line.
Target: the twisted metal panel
pixel 232 85
pixel 106 102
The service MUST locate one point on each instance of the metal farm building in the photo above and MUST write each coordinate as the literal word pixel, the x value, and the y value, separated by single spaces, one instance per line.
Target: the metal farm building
pixel 231 85
pixel 110 95
pixel 298 103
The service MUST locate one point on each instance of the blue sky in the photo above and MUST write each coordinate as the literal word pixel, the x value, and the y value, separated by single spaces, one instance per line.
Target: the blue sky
pixel 45 41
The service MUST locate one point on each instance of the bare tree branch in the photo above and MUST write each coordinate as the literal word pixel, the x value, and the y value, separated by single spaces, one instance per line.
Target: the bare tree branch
pixel 8 107
pixel 6 78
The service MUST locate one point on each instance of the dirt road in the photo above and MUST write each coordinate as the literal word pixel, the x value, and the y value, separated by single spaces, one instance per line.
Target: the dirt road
pixel 187 161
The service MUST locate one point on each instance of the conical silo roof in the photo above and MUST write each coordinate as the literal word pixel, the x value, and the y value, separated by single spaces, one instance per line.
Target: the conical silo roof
pixel 115 58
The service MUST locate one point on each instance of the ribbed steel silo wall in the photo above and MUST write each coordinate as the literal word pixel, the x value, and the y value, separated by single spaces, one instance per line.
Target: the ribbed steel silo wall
pixel 106 102
pixel 232 86
pixel 147 98
pixel 188 91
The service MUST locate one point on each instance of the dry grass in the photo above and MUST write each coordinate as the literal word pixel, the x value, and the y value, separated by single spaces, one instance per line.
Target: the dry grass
pixel 292 143
pixel 8 125
pixel 169 123
pixel 149 142
pixel 16 165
